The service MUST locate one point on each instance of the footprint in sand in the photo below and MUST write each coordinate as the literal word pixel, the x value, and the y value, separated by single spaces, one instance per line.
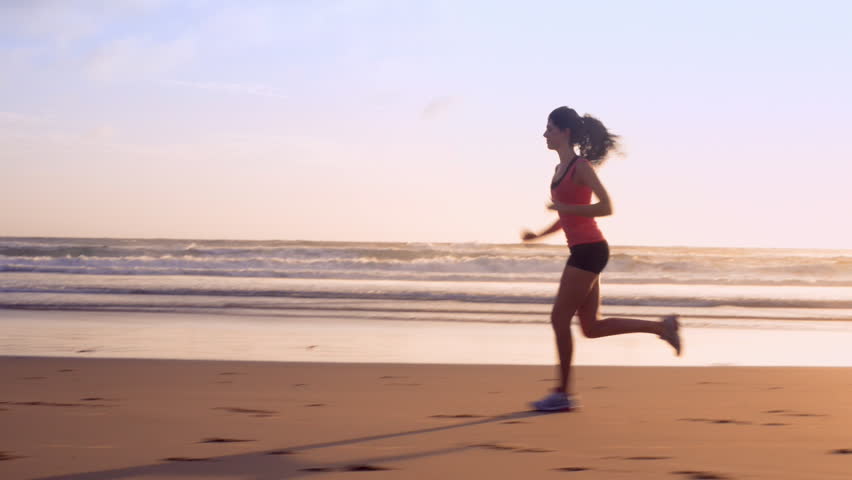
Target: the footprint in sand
pixel 280 452
pixel 498 446
pixel 534 450
pixel 253 412
pixel 364 468
pixel 349 468
pixel 8 456
pixel 223 440
pixel 788 413
pixel 461 415
pixel 188 459
pixel 494 446
pixel 54 404
pixel 637 458
pixel 716 421
pixel 698 475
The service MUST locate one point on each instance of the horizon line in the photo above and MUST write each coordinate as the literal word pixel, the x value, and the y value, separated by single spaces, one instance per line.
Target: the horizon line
pixel 390 242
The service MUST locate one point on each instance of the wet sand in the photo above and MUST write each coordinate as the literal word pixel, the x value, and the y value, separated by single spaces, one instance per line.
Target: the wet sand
pixel 227 336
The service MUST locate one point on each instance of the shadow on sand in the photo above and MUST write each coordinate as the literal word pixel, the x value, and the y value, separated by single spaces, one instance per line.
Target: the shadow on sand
pixel 283 463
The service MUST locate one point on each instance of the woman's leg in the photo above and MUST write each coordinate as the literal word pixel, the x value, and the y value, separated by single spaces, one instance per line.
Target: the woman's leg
pixel 574 288
pixel 594 327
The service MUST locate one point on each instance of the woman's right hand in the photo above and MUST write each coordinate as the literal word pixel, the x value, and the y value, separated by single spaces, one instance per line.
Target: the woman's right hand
pixel 528 236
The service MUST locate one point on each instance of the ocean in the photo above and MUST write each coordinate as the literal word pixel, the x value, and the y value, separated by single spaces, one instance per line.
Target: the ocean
pixel 400 285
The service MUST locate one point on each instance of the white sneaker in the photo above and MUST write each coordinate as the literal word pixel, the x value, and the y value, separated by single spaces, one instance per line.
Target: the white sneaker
pixel 671 332
pixel 555 402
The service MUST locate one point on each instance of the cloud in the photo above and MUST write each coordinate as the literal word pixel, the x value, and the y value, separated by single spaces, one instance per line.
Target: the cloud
pixel 55 21
pixel 100 133
pixel 63 22
pixel 237 88
pixel 135 57
pixel 437 107
pixel 14 118
pixel 15 123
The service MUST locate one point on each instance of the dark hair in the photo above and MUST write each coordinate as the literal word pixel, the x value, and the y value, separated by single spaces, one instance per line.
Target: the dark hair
pixel 587 132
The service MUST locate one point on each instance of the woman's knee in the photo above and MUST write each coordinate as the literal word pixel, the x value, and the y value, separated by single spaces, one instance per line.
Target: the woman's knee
pixel 590 327
pixel 560 321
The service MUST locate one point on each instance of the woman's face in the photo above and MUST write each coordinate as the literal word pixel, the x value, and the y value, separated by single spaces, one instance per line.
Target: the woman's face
pixel 555 137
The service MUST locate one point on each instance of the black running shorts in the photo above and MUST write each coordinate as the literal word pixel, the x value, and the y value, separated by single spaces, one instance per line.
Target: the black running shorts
pixel 591 257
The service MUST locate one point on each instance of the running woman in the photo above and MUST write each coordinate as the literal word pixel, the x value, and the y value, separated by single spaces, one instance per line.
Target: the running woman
pixel 582 144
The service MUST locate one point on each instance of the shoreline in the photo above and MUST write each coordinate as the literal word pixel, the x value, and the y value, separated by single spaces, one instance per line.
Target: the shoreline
pixel 356 341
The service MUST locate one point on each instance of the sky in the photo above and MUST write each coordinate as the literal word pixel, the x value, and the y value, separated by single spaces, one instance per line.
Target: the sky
pixel 422 121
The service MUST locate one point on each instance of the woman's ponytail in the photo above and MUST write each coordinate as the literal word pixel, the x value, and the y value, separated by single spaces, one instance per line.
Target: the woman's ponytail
pixel 590 135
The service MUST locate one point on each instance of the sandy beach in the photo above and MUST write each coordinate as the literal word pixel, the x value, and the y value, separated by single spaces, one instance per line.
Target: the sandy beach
pixel 87 419
pixel 354 239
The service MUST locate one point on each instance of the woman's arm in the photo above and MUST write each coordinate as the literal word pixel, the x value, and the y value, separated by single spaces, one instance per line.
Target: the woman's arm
pixel 528 236
pixel 586 176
